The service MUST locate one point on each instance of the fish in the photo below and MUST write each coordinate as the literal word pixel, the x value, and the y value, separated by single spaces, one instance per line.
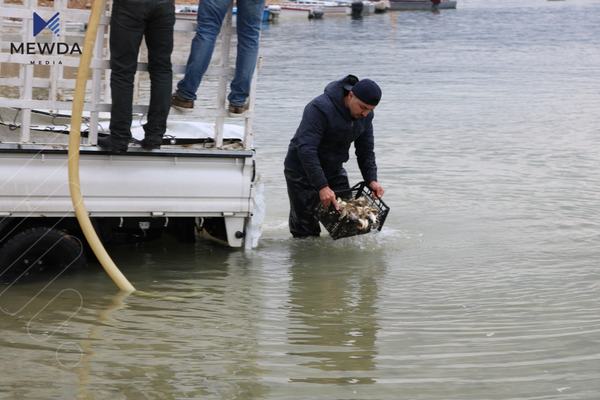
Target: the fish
pixel 372 218
pixel 359 211
pixel 343 213
pixel 363 224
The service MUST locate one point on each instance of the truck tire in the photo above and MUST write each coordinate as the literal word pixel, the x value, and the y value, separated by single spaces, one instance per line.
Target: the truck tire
pixel 39 249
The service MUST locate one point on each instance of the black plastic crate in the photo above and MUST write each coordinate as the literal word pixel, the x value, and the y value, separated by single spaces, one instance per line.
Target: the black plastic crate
pixel 340 226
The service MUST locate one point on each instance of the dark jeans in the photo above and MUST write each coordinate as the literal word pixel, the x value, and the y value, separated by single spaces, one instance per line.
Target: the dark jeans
pixel 130 21
pixel 304 199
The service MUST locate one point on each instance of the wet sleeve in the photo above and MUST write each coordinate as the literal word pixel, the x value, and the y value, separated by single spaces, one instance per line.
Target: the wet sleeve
pixel 310 134
pixel 365 154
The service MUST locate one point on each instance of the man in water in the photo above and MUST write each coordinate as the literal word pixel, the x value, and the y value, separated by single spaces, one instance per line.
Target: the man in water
pixel 342 115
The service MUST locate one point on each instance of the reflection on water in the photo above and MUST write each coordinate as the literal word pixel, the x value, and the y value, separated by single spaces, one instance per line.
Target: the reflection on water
pixel 333 317
pixel 482 285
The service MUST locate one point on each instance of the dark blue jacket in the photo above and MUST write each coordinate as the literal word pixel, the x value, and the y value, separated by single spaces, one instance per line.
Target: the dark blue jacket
pixel 322 141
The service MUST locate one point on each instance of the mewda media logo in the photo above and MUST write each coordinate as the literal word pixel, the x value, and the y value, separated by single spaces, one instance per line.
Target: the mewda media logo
pixel 39 24
pixel 45 48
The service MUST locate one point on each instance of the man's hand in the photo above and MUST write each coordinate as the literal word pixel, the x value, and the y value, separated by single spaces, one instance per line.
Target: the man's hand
pixel 377 189
pixel 327 197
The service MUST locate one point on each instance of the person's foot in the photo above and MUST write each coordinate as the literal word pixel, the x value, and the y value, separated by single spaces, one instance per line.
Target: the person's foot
pixel 147 145
pixel 106 143
pixel 237 109
pixel 179 102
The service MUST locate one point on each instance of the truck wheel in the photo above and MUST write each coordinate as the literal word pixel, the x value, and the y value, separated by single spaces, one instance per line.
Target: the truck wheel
pixel 39 249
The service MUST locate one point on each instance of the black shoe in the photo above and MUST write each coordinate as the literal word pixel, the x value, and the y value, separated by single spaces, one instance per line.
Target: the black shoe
pixel 146 145
pixel 106 144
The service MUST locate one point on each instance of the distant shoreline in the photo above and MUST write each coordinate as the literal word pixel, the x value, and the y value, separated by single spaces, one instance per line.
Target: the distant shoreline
pixel 86 4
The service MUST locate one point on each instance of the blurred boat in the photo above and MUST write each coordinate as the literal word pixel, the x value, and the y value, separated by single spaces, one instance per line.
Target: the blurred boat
pixel 406 5
pixel 314 8
pixel 274 12
pixel 190 12
pixel 360 8
pixel 187 12
pixel 381 6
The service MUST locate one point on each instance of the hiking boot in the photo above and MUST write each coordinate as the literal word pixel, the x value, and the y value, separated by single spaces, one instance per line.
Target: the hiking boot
pixel 179 102
pixel 235 109
pixel 106 143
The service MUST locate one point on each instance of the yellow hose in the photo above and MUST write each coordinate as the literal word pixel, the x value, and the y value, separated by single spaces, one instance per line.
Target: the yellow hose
pixel 74 141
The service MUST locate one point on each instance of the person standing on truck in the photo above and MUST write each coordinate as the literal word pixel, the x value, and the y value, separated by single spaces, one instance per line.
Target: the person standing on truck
pixel 210 18
pixel 313 167
pixel 130 22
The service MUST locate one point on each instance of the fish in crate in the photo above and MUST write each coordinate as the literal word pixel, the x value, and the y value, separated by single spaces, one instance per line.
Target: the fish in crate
pixel 359 212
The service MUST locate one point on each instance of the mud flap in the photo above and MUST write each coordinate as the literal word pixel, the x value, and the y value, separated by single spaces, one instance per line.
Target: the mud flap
pixel 234 227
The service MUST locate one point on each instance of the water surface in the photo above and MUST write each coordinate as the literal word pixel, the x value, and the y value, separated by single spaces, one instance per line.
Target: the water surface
pixel 484 284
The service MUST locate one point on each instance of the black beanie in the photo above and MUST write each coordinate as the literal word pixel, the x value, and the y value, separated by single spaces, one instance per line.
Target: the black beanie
pixel 367 91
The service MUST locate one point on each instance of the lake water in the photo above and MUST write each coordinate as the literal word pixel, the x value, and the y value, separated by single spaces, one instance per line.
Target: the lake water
pixel 484 283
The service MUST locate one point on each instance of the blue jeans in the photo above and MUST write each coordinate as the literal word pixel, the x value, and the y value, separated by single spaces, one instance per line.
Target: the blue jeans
pixel 210 18
pixel 131 21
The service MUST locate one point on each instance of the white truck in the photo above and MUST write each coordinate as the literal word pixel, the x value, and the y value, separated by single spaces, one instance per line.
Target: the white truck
pixel 202 178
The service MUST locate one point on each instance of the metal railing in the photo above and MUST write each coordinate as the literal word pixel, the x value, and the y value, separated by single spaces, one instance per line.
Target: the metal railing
pixel 44 82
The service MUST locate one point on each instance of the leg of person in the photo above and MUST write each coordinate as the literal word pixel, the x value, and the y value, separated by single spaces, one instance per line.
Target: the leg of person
pixel 126 31
pixel 159 41
pixel 249 18
pixel 303 201
pixel 210 18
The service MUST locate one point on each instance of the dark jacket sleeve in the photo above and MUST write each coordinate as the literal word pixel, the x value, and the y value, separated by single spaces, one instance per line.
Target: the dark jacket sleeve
pixel 308 139
pixel 365 155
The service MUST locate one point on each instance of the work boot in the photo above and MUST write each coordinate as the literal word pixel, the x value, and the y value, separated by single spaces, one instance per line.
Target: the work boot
pixel 106 143
pixel 238 109
pixel 180 103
